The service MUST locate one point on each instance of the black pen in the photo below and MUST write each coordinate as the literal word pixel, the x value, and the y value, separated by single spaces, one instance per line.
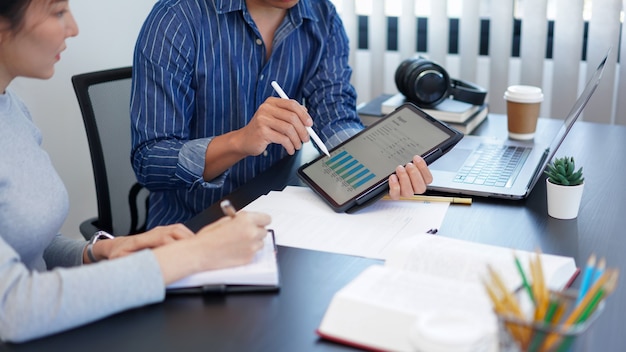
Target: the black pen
pixel 228 208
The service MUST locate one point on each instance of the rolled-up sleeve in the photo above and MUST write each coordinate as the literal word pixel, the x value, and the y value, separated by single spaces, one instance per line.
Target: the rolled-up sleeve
pixel 192 158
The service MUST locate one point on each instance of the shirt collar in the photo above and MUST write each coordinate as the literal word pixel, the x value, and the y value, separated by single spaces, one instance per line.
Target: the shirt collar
pixel 296 14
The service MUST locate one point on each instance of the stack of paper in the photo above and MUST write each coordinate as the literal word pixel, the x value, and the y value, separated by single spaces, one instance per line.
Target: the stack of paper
pixel 301 219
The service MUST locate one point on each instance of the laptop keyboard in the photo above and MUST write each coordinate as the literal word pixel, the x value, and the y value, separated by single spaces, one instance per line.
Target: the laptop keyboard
pixel 493 165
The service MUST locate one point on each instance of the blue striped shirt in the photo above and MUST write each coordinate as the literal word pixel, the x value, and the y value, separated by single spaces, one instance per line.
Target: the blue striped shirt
pixel 200 70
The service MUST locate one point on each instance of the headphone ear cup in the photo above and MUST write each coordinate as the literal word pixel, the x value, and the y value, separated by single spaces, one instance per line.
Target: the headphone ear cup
pixel 422 82
pixel 400 76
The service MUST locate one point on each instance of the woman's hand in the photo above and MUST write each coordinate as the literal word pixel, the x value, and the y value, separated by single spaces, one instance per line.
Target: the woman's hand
pixel 125 245
pixel 410 179
pixel 234 240
pixel 230 241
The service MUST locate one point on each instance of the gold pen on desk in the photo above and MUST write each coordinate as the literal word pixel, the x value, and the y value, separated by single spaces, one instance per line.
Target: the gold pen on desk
pixel 228 208
pixel 422 198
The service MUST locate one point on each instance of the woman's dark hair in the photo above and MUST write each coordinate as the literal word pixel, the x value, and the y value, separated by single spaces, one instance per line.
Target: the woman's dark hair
pixel 12 14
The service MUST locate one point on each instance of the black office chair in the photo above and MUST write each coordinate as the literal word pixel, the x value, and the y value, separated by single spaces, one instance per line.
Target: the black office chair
pixel 104 100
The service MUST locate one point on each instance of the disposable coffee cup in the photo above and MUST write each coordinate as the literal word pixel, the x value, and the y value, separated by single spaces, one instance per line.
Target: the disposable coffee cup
pixel 522 109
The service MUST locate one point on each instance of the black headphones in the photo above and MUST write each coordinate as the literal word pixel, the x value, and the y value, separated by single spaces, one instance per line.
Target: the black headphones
pixel 427 84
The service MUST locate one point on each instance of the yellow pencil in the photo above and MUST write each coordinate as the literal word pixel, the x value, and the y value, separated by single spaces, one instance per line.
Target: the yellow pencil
pixel 543 300
pixel 507 296
pixel 498 306
pixel 422 198
pixel 534 274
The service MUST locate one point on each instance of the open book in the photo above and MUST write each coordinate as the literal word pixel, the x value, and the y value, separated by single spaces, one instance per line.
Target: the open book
pixel 259 275
pixel 425 275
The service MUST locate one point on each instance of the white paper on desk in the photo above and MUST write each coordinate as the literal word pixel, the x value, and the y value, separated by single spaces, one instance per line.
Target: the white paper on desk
pixel 302 220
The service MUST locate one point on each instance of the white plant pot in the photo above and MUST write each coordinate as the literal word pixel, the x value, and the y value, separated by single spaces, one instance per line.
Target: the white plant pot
pixel 563 201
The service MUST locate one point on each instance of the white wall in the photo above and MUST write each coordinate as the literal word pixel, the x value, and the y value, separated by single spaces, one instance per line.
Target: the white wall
pixel 108 29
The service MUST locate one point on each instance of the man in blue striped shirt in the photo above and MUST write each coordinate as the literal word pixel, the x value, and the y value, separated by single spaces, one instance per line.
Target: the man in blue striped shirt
pixel 205 119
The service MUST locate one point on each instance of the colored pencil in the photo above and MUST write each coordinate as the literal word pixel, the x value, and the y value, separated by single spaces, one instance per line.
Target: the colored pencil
pixel 577 311
pixel 527 287
pixel 587 277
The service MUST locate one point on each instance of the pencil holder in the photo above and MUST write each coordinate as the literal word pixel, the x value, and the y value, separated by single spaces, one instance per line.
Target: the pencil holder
pixel 517 334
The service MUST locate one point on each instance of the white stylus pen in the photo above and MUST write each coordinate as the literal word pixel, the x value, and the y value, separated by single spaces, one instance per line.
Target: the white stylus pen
pixel 312 133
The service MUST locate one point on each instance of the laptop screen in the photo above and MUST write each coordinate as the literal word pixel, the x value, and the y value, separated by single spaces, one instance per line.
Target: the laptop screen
pixel 573 115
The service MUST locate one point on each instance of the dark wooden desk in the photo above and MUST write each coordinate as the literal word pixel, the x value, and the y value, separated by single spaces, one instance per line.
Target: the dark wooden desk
pixel 286 321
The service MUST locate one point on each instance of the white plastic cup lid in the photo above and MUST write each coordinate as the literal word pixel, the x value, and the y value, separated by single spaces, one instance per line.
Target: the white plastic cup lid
pixel 449 331
pixel 524 94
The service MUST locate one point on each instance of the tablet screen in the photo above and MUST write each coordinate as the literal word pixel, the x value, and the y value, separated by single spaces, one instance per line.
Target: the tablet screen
pixel 367 159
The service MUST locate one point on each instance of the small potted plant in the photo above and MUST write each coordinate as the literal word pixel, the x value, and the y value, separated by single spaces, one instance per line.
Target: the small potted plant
pixel 564 188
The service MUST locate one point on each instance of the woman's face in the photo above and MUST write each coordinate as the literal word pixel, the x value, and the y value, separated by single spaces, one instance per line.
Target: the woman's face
pixel 33 50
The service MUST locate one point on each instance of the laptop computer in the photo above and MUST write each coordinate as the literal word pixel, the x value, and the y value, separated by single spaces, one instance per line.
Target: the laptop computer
pixel 503 168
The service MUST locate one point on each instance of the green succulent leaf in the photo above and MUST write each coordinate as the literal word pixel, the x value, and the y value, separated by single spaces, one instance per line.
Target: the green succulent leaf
pixel 562 179
pixel 570 167
pixel 561 171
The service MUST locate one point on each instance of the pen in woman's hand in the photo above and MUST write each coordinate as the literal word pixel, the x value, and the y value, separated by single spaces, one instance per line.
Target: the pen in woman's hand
pixel 228 208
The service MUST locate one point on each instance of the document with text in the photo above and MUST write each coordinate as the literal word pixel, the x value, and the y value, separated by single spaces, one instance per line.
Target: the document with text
pixel 303 220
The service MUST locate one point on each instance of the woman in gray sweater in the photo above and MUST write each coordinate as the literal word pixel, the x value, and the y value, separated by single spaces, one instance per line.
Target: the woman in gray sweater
pixel 46 285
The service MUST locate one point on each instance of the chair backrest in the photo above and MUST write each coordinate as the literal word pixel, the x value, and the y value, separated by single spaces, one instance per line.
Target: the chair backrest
pixel 104 100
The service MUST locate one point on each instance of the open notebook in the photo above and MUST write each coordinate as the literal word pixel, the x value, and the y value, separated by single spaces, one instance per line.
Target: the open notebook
pixel 514 166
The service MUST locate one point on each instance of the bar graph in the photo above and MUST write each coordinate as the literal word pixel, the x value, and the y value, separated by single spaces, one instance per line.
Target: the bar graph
pixel 349 170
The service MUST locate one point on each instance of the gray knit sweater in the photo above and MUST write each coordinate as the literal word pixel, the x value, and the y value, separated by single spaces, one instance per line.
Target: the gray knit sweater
pixel 43 287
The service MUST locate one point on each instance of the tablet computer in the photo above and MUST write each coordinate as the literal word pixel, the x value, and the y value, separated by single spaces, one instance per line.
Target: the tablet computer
pixel 357 171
